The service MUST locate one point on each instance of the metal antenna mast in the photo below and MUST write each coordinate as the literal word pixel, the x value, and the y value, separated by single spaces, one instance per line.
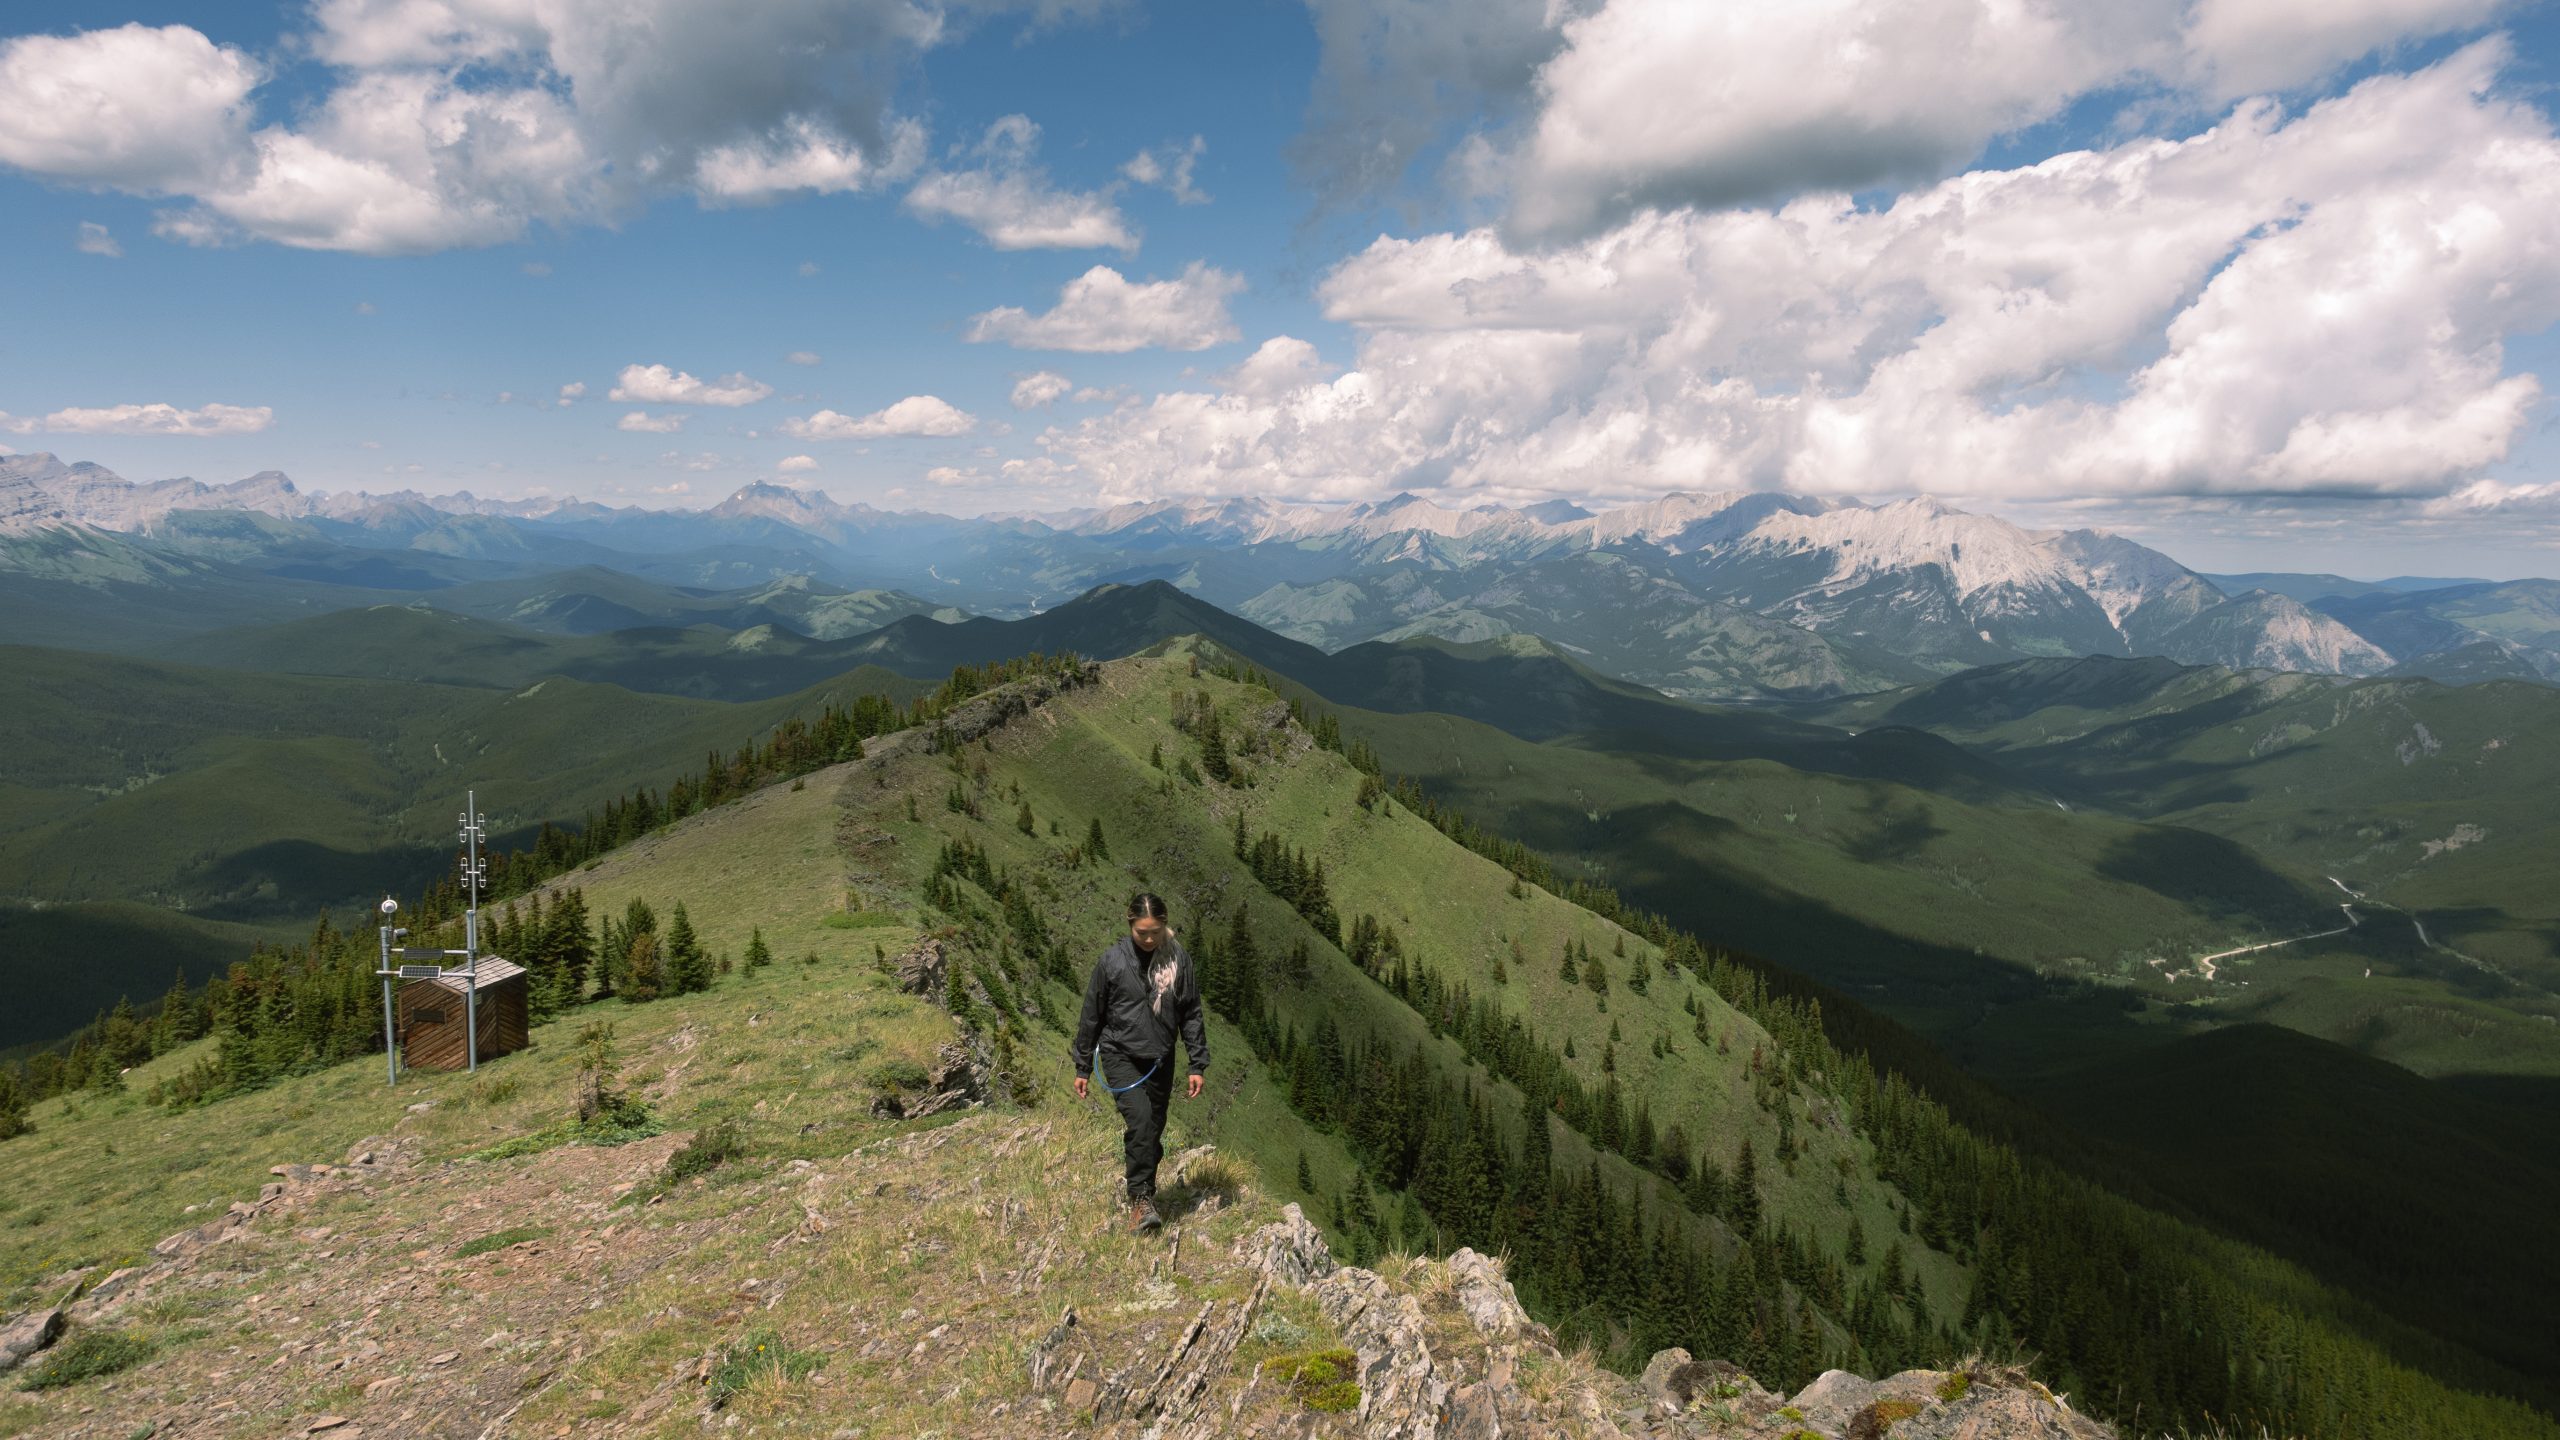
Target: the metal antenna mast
pixel 472 875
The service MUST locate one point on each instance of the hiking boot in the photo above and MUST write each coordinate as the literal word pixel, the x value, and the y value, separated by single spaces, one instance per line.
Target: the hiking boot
pixel 1143 1217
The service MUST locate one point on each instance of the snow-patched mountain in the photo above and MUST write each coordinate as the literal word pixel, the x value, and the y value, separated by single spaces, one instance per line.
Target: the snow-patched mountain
pixel 1945 588
pixel 1915 580
pixel 1712 593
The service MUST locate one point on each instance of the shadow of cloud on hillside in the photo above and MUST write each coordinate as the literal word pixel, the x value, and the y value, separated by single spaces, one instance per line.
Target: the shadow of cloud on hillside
pixel 2220 877
pixel 300 877
pixel 1893 837
pixel 1660 856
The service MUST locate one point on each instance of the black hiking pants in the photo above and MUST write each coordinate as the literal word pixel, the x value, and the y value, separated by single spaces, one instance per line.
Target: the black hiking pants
pixel 1143 1103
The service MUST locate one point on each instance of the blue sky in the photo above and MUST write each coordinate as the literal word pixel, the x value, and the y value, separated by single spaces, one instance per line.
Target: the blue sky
pixel 1473 251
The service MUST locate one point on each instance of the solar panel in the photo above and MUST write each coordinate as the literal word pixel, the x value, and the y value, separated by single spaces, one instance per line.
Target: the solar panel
pixel 420 972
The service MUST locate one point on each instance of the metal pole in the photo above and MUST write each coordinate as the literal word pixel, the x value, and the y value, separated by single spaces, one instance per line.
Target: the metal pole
pixel 471 931
pixel 390 1044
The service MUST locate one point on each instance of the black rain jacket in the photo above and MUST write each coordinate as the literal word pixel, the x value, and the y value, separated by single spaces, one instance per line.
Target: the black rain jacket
pixel 1116 1012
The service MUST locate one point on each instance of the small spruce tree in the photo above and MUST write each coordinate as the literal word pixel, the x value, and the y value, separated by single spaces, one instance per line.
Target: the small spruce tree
pixel 759 954
pixel 641 979
pixel 688 963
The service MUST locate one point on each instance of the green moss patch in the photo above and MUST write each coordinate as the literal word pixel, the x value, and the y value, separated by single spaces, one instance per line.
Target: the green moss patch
pixel 1320 1379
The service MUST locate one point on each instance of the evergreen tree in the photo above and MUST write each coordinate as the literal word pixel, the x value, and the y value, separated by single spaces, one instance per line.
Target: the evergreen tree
pixel 124 1036
pixel 759 955
pixel 1213 747
pixel 1568 972
pixel 1306 1177
pixel 688 964
pixel 572 944
pixel 1023 821
pixel 1094 844
pixel 1743 1199
pixel 641 979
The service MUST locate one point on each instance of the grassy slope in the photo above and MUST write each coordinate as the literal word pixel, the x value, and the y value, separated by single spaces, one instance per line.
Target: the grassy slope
pixel 1948 915
pixel 784 1053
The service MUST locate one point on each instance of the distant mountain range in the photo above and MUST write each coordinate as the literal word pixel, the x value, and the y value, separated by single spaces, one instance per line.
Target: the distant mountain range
pixel 1708 596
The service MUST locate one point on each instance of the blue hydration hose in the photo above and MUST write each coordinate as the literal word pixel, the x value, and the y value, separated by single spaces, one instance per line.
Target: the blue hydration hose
pixel 1134 1084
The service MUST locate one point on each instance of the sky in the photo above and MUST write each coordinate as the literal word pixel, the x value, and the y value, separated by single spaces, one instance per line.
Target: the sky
pixel 2270 284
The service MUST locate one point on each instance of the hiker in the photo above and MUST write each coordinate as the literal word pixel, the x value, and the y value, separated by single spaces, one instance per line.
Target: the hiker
pixel 1143 992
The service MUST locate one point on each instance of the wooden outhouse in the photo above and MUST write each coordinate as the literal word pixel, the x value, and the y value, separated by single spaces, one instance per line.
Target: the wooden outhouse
pixel 430 1015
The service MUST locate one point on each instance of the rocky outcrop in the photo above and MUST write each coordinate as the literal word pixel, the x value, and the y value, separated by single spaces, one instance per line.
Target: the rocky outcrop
pixel 1419 1381
pixel 23 1337
pixel 1291 1250
pixel 956 1079
pixel 921 969
pixel 1402 1384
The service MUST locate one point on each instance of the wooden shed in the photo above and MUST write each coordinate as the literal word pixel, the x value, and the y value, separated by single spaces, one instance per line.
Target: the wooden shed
pixel 430 1015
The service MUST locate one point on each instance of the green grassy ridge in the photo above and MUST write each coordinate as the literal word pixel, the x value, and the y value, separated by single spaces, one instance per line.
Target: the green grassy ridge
pixel 1068 754
pixel 1087 756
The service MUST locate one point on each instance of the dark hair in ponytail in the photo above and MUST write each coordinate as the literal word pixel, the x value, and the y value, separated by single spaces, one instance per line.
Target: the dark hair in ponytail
pixel 1146 904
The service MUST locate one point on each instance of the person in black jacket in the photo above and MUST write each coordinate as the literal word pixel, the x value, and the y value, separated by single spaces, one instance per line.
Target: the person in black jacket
pixel 1143 993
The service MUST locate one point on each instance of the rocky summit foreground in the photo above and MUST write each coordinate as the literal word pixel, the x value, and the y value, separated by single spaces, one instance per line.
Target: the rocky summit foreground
pixel 961 1280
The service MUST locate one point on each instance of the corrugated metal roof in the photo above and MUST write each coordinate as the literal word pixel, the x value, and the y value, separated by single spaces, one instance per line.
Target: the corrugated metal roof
pixel 492 970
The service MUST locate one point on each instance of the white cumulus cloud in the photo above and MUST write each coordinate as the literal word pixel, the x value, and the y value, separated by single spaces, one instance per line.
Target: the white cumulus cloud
pixel 430 124
pixel 1281 364
pixel 642 422
pixel 153 420
pixel 1170 168
pixel 1101 311
pixel 661 385
pixel 2315 304
pixel 135 107
pixel 96 239
pixel 1578 113
pixel 917 415
pixel 1040 387
pixel 1011 201
pixel 797 464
